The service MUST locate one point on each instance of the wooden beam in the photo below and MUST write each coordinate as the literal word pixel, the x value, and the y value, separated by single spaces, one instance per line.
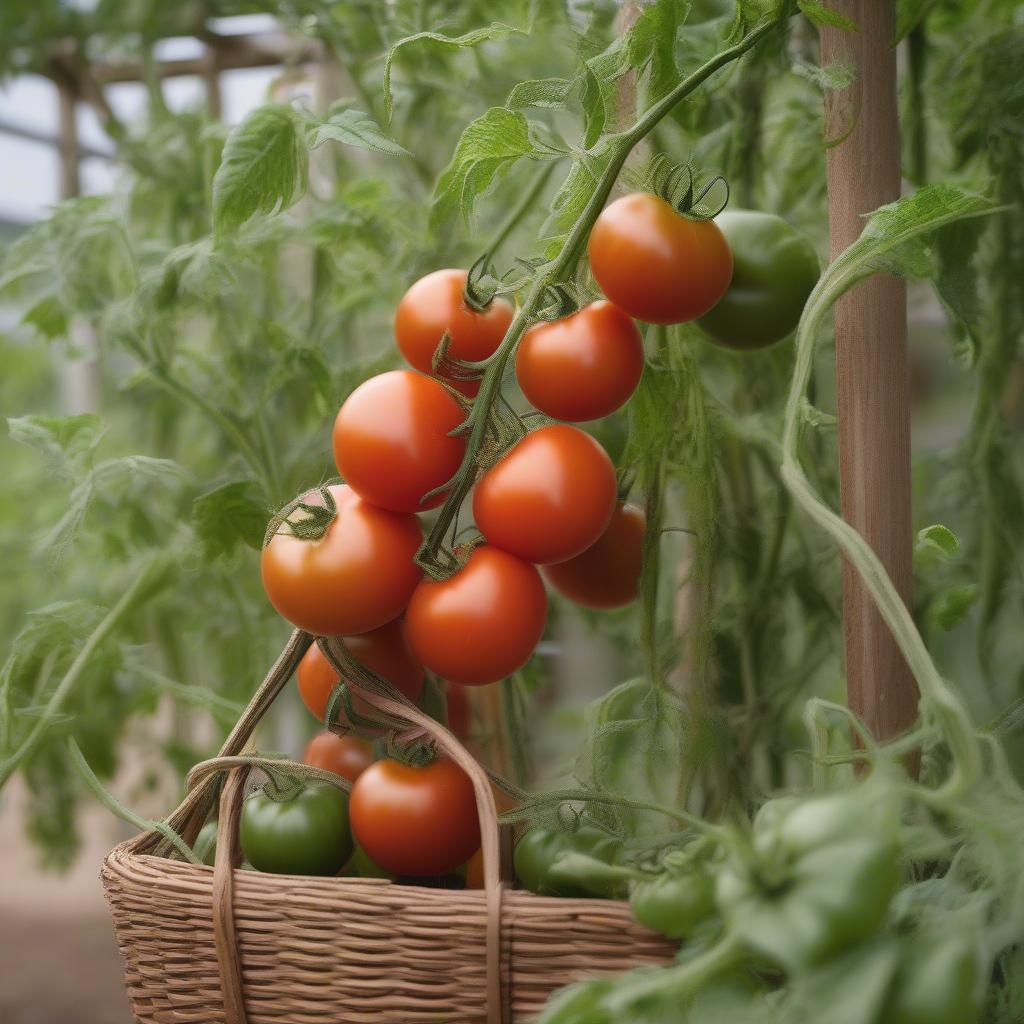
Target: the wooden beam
pixel 871 360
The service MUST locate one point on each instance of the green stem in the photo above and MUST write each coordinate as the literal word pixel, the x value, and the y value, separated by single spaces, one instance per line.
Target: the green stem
pixel 560 269
pixel 113 805
pixel 230 429
pixel 128 603
pixel 943 702
pixel 525 205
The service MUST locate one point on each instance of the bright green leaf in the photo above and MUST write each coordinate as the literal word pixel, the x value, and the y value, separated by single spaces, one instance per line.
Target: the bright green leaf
pixel 263 167
pixel 353 128
pixel 228 515
pixel 825 16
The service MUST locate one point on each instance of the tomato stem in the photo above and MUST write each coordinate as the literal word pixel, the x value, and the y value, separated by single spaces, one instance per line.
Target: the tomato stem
pixel 555 273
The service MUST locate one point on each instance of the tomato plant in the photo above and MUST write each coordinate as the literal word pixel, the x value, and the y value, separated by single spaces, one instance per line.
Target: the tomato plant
pixel 347 756
pixel 549 498
pixel 384 651
pixel 358 576
pixel 416 822
pixel 435 306
pixel 483 623
pixel 656 264
pixel 774 270
pixel 607 574
pixel 393 443
pixel 305 833
pixel 583 367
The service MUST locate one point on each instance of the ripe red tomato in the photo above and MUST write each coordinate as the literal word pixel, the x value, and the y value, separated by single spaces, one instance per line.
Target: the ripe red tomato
pixel 483 623
pixel 383 651
pixel 433 306
pixel 549 498
pixel 657 265
pixel 356 577
pixel 391 440
pixel 583 367
pixel 347 756
pixel 460 713
pixel 417 822
pixel 607 574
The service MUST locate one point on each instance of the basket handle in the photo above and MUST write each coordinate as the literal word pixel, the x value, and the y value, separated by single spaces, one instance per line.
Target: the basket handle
pixel 486 811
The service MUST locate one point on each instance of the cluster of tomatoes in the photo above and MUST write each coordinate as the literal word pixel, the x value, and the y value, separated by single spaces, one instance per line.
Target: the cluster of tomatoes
pixel 550 501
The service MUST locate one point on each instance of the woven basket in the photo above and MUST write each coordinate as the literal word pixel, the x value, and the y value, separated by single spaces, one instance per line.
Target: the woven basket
pixel 221 945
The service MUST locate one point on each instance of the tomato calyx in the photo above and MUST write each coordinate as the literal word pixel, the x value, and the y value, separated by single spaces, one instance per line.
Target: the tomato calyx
pixel 444 366
pixel 481 284
pixel 688 193
pixel 315 521
pixel 558 301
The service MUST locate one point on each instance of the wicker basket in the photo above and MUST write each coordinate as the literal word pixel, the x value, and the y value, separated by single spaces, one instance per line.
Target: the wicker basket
pixel 222 945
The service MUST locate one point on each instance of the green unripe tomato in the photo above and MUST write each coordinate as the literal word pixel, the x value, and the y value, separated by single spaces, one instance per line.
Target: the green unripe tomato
pixel 307 834
pixel 539 851
pixel 673 904
pixel 360 865
pixel 938 983
pixel 774 269
pixel 205 847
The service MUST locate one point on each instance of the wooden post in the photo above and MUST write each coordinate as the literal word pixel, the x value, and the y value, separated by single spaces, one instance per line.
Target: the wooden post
pixel 871 360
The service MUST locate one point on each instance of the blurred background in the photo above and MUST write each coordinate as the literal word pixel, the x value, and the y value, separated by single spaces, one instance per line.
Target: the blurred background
pixel 164 389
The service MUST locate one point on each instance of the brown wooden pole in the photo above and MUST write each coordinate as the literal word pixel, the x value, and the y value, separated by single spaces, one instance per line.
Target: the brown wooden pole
pixel 872 376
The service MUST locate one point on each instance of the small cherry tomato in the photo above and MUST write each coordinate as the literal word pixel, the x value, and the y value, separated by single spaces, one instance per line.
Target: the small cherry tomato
pixel 384 651
pixel 459 711
pixel 655 264
pixel 434 306
pixel 392 443
pixel 417 822
pixel 583 367
pixel 359 575
pixel 775 269
pixel 347 756
pixel 607 574
pixel 549 498
pixel 483 623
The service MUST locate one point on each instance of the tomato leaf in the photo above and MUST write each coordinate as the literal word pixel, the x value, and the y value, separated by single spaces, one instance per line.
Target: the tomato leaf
pixel 66 441
pixel 948 608
pixel 263 167
pixel 539 92
pixel 936 541
pixel 228 515
pixel 488 148
pixel 497 30
pixel 825 16
pixel 353 128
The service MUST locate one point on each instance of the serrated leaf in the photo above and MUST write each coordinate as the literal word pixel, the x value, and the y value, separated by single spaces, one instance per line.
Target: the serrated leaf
pixel 651 44
pixel 228 515
pixel 825 17
pixel 539 92
pixel 496 30
pixel 488 148
pixel 263 168
pixel 64 440
pixel 353 128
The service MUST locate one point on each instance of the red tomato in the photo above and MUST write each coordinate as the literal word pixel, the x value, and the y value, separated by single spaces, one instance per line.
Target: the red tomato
pixel 347 756
pixel 356 577
pixel 433 306
pixel 417 822
pixel 391 440
pixel 657 265
pixel 483 623
pixel 475 870
pixel 583 367
pixel 607 574
pixel 460 714
pixel 549 498
pixel 383 651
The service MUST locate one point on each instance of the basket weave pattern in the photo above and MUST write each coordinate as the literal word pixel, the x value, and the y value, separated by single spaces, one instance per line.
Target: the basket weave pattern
pixel 223 945
pixel 352 951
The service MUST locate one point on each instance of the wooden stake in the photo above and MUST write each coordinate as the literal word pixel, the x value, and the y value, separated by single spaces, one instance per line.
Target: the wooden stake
pixel 871 360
